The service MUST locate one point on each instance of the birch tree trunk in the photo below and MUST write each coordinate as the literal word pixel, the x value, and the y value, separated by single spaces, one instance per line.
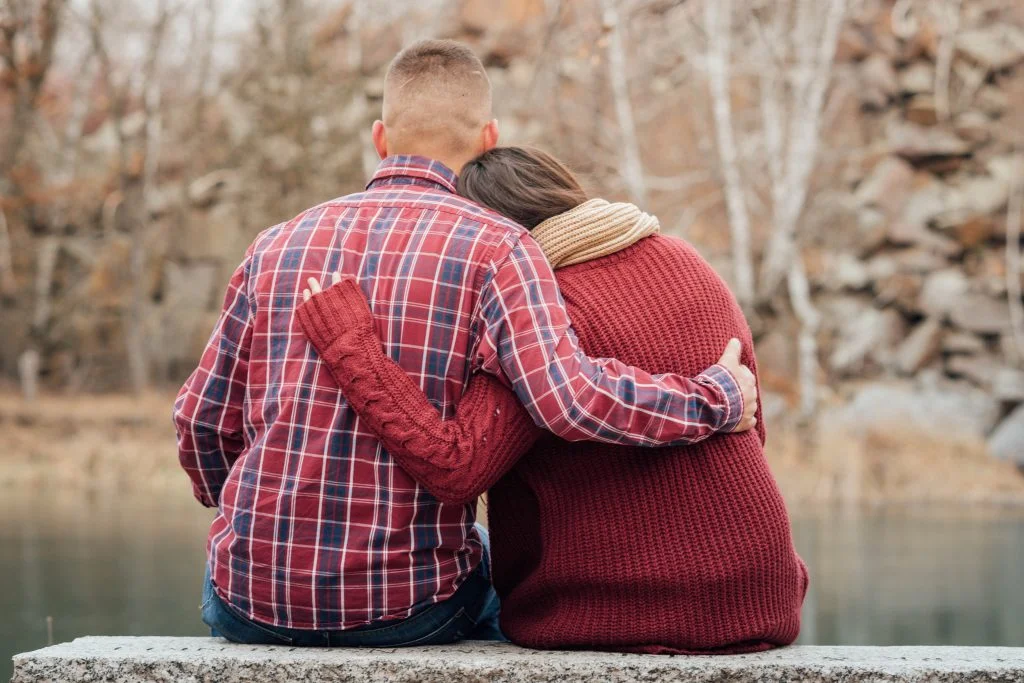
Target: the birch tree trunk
pixel 810 79
pixel 1013 259
pixel 632 171
pixel 949 25
pixel 718 27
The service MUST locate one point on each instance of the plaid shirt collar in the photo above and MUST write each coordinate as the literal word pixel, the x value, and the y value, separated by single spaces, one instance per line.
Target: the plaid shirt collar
pixel 409 169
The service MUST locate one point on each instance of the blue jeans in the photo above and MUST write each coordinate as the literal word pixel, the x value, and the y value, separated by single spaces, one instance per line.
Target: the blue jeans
pixel 471 613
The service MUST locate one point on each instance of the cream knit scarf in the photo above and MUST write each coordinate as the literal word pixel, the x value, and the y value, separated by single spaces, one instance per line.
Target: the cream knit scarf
pixel 591 230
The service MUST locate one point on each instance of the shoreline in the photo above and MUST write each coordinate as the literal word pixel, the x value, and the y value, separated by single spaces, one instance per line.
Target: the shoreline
pixel 124 445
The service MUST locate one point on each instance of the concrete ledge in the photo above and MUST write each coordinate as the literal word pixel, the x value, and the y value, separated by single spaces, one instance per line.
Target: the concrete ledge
pixel 131 660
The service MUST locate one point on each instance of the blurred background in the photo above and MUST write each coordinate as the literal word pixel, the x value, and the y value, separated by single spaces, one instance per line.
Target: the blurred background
pixel 854 169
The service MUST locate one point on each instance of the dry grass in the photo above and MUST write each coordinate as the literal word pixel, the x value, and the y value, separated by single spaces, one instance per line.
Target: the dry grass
pixel 127 443
pixel 107 441
pixel 894 465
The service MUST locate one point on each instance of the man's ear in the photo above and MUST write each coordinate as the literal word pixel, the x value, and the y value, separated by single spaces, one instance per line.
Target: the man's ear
pixel 380 138
pixel 489 138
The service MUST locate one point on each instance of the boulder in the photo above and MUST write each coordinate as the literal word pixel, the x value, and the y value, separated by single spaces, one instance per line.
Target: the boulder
pixel 879 81
pixel 1008 384
pixel 918 78
pixel 214 187
pixel 984 194
pixel 871 335
pixel 973 126
pixel 980 369
pixel 945 407
pixel 925 203
pixel 887 186
pixel 994 48
pixel 919 143
pixel 940 290
pixel 899 289
pixel 1005 169
pixel 921 109
pixel 906 233
pixel 969 229
pixel 1007 441
pixel 979 313
pixel 962 342
pixel 871 230
pixel 992 100
pixel 920 347
pixel 852 45
pixel 845 271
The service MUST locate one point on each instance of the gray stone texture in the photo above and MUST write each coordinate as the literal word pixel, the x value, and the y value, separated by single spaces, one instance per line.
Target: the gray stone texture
pixel 131 660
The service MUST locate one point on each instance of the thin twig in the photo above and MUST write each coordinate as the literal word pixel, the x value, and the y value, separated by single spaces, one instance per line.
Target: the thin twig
pixel 1013 258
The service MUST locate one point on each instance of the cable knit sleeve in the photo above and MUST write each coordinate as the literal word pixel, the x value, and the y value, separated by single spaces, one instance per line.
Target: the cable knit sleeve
pixel 456 460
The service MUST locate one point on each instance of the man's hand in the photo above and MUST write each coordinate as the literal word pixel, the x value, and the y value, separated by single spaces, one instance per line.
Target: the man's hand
pixel 730 360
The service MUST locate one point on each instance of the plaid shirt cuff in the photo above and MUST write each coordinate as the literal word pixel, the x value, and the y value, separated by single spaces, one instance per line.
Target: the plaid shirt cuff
pixel 732 398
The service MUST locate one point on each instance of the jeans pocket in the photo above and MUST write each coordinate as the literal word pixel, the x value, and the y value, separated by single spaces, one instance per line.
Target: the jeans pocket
pixel 237 629
pixel 452 629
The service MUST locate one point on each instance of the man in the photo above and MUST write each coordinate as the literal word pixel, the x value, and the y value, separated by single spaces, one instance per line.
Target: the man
pixel 320 538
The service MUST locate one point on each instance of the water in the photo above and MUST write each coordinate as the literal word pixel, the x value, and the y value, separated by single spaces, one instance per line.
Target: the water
pixel 106 566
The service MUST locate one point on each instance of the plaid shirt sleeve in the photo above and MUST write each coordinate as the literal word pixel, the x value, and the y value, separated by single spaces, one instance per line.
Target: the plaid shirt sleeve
pixel 208 410
pixel 527 338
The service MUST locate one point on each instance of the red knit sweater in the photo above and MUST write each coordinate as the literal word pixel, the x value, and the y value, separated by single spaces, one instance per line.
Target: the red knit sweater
pixel 674 550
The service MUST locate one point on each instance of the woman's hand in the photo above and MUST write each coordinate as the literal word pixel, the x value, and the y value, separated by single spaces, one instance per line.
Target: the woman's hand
pixel 314 286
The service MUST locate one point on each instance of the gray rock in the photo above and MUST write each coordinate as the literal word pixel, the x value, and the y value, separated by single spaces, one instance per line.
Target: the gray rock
pixel 992 100
pixel 903 233
pixel 1007 441
pixel 983 194
pixel 845 271
pixel 901 289
pixel 917 143
pixel 973 126
pixel 878 75
pixel 206 660
pixel 940 291
pixel 213 187
pixel 871 335
pixel 925 204
pixel 980 313
pixel 918 78
pixel 871 230
pixel 920 347
pixel 994 47
pixel 1008 385
pixel 962 342
pixel 947 407
pixel 980 369
pixel 887 186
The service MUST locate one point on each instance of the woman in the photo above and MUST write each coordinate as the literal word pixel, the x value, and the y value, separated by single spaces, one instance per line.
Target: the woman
pixel 676 550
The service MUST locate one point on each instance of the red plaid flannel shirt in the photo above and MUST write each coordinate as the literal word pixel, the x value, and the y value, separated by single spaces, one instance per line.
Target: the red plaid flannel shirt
pixel 316 526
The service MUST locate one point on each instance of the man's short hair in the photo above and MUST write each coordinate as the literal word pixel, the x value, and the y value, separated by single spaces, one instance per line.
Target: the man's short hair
pixel 437 87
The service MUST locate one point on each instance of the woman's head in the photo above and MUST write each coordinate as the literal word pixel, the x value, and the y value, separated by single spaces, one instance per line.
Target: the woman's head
pixel 527 185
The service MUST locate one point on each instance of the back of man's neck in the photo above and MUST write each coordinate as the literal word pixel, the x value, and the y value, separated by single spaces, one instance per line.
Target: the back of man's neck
pixel 455 164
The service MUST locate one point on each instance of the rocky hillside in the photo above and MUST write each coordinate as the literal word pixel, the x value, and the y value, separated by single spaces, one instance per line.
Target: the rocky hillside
pixel 913 283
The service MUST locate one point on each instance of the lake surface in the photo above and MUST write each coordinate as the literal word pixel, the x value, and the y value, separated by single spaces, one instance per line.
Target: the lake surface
pixel 132 566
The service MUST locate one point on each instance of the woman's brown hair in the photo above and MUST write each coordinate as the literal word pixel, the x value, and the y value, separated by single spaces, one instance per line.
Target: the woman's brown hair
pixel 527 185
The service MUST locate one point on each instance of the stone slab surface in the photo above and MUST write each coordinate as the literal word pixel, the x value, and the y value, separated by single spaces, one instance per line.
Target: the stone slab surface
pixel 131 660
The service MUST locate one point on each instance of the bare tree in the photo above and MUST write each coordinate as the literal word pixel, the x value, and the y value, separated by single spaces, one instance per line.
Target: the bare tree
pixel 135 178
pixel 629 145
pixel 28 36
pixel 1015 209
pixel 793 47
pixel 718 27
pixel 949 25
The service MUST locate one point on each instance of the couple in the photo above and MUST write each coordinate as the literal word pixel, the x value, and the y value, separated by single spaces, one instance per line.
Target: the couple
pixel 344 442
